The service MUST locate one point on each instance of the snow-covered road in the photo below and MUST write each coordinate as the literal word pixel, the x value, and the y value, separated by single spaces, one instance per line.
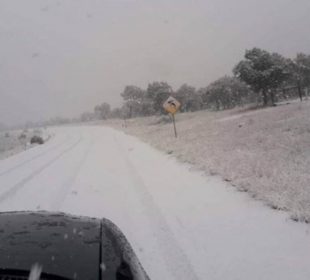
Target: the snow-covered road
pixel 181 224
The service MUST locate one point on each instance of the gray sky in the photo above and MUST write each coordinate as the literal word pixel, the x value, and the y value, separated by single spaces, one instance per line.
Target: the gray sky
pixel 62 57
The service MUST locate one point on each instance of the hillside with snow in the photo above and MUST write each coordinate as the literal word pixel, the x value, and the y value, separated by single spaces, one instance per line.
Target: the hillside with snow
pixel 263 152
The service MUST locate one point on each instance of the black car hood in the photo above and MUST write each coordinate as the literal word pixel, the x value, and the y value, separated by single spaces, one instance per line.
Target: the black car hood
pixel 67 246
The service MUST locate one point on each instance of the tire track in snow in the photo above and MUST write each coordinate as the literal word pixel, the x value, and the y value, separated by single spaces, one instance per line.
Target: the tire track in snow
pixel 17 166
pixel 180 267
pixel 67 185
pixel 7 194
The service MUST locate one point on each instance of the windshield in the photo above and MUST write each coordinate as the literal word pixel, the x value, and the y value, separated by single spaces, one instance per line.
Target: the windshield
pixel 184 123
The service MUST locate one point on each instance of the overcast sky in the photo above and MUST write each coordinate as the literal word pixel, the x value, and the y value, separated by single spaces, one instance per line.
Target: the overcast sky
pixel 62 57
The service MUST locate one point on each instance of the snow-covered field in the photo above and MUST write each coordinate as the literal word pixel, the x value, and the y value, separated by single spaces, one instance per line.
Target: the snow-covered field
pixel 15 141
pixel 264 152
pixel 181 223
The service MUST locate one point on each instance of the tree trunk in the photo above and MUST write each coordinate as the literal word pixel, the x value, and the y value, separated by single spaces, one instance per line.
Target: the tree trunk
pixel 299 91
pixel 265 97
pixel 130 112
pixel 272 97
pixel 284 93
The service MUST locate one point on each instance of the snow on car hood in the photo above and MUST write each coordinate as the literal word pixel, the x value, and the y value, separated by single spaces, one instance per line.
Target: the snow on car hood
pixel 67 246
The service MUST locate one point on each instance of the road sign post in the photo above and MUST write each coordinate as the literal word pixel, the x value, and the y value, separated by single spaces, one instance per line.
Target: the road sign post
pixel 171 106
pixel 175 129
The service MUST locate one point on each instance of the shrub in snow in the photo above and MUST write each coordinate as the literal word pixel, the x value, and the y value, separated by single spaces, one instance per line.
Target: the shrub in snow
pixel 36 140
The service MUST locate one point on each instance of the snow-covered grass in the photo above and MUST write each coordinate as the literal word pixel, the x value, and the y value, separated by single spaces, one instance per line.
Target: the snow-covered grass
pixel 15 141
pixel 265 152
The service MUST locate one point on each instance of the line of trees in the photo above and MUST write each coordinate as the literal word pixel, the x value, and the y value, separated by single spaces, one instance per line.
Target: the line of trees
pixel 261 77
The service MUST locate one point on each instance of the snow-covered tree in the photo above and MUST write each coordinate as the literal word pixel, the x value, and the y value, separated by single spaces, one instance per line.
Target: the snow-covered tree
pixel 102 111
pixel 263 71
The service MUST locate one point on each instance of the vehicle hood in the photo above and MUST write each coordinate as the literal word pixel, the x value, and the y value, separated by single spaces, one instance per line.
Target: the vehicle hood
pixel 67 246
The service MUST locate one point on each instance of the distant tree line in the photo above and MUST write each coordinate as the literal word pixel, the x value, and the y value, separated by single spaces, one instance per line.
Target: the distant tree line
pixel 261 77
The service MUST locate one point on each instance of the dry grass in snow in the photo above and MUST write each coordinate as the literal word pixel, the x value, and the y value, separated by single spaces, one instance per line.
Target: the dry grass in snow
pixel 265 152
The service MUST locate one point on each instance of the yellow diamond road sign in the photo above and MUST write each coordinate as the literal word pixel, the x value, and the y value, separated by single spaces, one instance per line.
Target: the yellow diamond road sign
pixel 172 105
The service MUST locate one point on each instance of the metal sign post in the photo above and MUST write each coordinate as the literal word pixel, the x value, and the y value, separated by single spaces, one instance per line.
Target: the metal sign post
pixel 175 129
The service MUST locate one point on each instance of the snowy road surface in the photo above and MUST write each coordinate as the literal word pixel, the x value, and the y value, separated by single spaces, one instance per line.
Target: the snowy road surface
pixel 181 224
